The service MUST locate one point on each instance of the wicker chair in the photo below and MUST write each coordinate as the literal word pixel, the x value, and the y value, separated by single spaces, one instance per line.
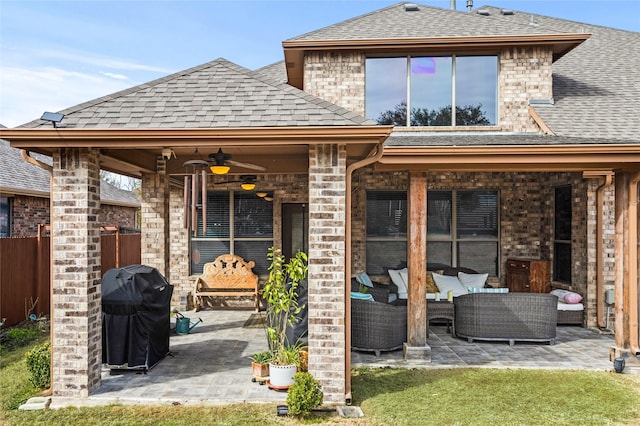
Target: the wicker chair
pixel 377 327
pixel 510 316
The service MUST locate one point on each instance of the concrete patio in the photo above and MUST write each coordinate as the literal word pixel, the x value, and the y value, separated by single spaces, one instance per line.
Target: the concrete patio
pixel 211 365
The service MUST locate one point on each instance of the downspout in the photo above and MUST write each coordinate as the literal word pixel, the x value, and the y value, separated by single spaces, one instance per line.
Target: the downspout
pixel 608 179
pixel 48 168
pixel 633 265
pixel 370 159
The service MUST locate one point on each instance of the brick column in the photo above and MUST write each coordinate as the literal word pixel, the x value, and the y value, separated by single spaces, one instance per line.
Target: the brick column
pixel 326 300
pixel 155 219
pixel 76 302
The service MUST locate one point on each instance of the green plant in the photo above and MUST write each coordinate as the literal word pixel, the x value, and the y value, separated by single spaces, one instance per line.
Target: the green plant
pixel 261 357
pixel 22 335
pixel 304 395
pixel 39 365
pixel 280 292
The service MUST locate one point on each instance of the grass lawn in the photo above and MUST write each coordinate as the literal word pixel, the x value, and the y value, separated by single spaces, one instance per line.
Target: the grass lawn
pixel 387 396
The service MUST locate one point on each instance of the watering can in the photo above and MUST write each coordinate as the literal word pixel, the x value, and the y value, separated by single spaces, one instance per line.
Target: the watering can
pixel 184 325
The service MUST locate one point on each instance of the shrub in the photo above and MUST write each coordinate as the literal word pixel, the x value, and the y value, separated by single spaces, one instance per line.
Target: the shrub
pixel 22 335
pixel 39 365
pixel 304 395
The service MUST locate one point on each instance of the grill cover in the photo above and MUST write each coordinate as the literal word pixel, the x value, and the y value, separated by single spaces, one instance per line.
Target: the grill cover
pixel 136 305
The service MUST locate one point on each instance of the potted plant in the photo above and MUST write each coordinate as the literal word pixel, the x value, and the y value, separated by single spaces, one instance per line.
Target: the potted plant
pixel 281 295
pixel 260 365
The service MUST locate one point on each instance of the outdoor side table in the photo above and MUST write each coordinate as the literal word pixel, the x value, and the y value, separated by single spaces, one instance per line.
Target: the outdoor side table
pixel 441 309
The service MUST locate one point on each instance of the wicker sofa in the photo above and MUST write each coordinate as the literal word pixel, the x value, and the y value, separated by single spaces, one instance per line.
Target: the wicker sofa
pixel 377 326
pixel 508 317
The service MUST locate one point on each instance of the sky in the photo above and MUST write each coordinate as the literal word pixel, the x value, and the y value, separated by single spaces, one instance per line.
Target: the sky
pixel 56 54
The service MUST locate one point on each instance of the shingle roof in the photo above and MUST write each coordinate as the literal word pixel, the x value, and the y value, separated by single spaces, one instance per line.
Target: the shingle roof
pixel 596 86
pixel 426 22
pixel 20 177
pixel 217 94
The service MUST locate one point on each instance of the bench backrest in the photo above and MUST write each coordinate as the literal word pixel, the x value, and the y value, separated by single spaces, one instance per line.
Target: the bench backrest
pixel 229 271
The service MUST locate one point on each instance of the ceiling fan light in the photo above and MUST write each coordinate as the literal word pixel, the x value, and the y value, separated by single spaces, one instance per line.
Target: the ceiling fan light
pixel 268 198
pixel 261 194
pixel 220 169
pixel 248 186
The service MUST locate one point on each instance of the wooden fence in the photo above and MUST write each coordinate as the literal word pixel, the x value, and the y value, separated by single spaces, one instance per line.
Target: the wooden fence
pixel 25 271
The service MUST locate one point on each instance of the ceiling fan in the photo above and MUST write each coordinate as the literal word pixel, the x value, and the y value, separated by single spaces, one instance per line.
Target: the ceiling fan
pixel 247 182
pixel 220 162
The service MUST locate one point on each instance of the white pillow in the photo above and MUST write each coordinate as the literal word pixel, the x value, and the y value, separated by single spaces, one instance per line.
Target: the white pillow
pixel 472 280
pixel 396 278
pixel 446 283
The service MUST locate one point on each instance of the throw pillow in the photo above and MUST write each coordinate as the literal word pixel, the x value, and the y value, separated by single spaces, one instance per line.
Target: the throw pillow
pixel 446 283
pixel 361 296
pixel 363 278
pixel 567 296
pixel 431 284
pixel 472 280
pixel 399 282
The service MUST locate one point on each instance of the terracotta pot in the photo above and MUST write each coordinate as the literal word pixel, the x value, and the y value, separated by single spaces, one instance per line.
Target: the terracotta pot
pixel 260 370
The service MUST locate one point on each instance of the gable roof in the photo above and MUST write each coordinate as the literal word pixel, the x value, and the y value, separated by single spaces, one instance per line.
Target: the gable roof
pixel 218 94
pixel 22 178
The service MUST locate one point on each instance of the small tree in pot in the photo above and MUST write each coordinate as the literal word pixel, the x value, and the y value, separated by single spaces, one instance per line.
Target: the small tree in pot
pixel 280 292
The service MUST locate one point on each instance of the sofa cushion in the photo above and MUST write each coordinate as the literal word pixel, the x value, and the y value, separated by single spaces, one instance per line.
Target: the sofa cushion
pixel 472 280
pixel 446 283
pixel 361 296
pixel 473 290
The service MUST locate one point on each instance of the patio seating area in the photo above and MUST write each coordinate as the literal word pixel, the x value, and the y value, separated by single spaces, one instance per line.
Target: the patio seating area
pixel 210 365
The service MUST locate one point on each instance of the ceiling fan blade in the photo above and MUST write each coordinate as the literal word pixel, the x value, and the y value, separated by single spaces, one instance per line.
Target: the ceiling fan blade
pixel 195 163
pixel 247 165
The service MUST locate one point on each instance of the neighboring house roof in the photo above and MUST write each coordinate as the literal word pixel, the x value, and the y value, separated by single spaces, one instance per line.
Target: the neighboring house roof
pixel 20 177
pixel 218 94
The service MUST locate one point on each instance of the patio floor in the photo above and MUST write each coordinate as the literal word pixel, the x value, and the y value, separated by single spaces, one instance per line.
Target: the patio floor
pixel 211 365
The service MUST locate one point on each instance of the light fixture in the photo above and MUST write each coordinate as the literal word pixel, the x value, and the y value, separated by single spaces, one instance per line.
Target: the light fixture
pixel 220 169
pixel 248 182
pixel 261 194
pixel 53 117
pixel 268 198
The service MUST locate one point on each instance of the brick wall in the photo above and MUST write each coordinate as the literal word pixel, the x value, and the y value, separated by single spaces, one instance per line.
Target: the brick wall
pixel 155 219
pixel 28 211
pixel 525 73
pixel 337 77
pixel 77 346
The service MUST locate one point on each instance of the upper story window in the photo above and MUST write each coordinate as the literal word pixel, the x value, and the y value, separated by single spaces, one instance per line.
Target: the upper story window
pixel 423 91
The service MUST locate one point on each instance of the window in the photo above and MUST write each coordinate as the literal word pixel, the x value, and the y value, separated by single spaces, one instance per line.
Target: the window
pixel 386 230
pixel 423 91
pixel 462 229
pixel 238 223
pixel 562 234
pixel 5 217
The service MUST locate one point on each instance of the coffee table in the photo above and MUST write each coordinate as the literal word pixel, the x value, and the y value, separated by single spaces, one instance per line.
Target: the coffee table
pixel 441 309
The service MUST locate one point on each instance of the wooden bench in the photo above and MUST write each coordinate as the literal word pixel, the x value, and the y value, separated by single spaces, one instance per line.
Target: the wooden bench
pixel 228 275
